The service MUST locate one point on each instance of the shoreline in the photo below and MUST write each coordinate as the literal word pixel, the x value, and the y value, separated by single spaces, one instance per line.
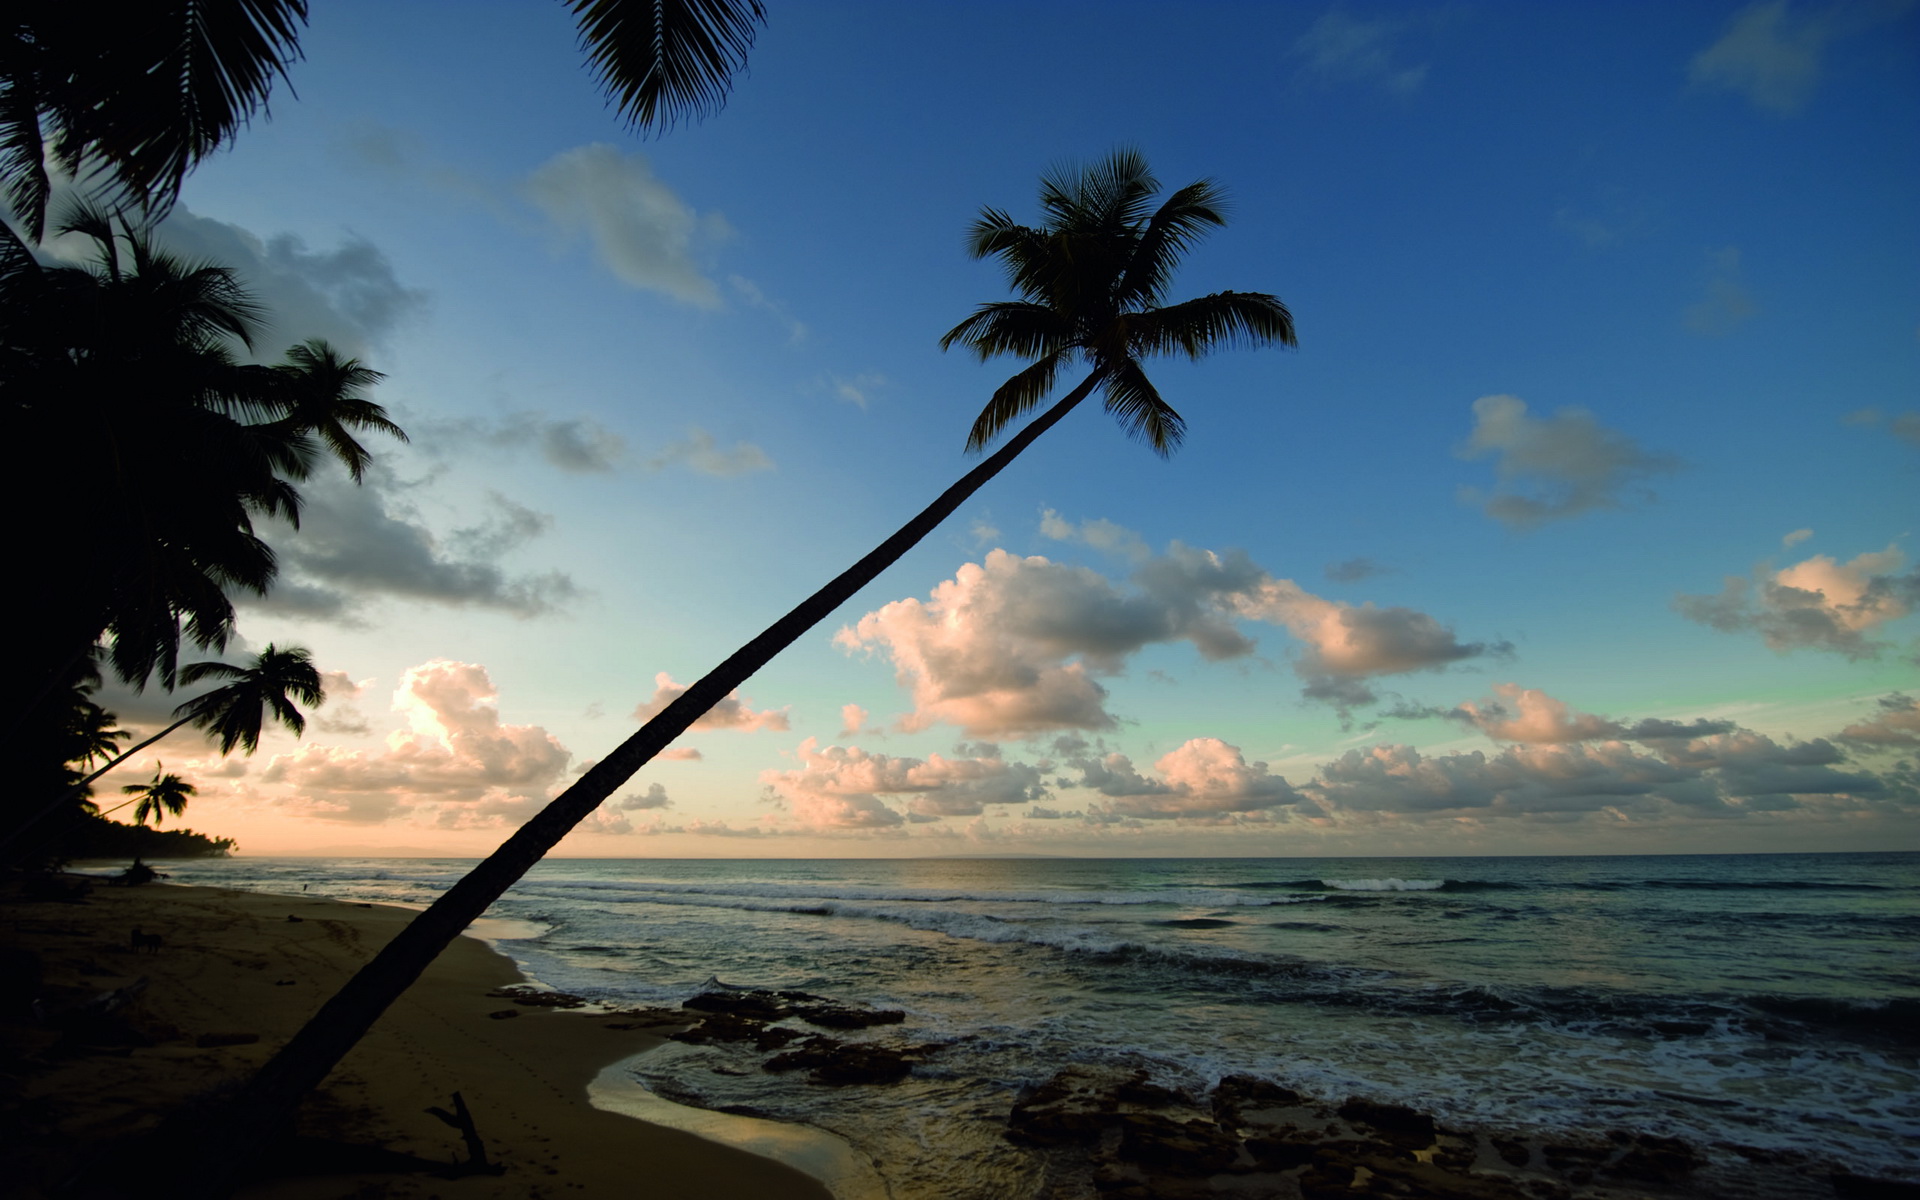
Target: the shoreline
pixel 235 973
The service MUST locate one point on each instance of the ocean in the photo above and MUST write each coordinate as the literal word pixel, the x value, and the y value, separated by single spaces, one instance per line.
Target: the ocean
pixel 1768 1001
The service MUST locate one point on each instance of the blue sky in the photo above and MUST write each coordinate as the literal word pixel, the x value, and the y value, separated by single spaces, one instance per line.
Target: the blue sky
pixel 1606 411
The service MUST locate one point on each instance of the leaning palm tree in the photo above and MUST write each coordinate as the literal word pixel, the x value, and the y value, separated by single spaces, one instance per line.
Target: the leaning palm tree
pixel 163 794
pixel 1092 282
pixel 234 713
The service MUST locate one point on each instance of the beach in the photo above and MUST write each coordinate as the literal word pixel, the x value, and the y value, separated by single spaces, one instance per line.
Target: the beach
pixel 234 973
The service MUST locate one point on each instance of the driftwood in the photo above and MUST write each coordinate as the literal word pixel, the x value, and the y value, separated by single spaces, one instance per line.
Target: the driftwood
pixel 462 1120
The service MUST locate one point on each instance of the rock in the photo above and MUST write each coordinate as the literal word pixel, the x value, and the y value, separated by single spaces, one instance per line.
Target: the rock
pixel 1651 1159
pixel 535 998
pixel 504 1014
pixel 1069 1107
pixel 1138 1090
pixel 1192 1147
pixel 1399 1124
pixel 1511 1152
pixel 1848 1186
pixel 841 1063
pixel 1237 1094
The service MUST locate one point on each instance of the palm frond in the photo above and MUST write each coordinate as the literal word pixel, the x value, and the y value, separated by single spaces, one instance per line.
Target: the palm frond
pixel 1014 399
pixel 661 61
pixel 23 148
pixel 1016 327
pixel 1136 404
pixel 1172 230
pixel 1199 326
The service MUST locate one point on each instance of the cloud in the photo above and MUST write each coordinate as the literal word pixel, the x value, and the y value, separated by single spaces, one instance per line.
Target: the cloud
pixel 455 764
pixel 1339 47
pixel 730 713
pixel 640 230
pixel 856 389
pixel 750 291
pixel 360 542
pixel 1014 646
pixel 1552 469
pixel 1818 604
pixel 1728 303
pixel 348 295
pixel 853 721
pixel 700 453
pixel 1203 776
pixel 839 788
pixel 1530 715
pixel 1905 426
pixel 611 817
pixel 1354 570
pixel 1099 533
pixel 1766 56
pixel 1793 539
pixel 1897 727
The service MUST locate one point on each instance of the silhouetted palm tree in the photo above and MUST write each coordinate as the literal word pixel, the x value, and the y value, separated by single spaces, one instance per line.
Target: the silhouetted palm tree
pixel 163 794
pixel 321 392
pixel 235 713
pixel 136 98
pixel 1092 281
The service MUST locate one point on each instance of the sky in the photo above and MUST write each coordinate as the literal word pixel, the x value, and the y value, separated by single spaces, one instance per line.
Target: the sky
pixel 1582 520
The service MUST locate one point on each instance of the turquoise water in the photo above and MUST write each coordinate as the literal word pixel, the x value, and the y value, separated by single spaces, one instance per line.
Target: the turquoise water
pixel 1760 1000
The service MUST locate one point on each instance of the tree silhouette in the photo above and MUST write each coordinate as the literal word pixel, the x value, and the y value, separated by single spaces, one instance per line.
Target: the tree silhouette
pixel 133 102
pixel 1092 279
pixel 163 794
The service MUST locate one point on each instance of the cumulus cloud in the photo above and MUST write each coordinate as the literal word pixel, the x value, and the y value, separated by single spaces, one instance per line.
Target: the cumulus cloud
pixel 1727 303
pixel 455 764
pixel 611 818
pixel 1340 47
pixel 1896 727
pixel 1015 646
pixel 853 721
pixel 357 543
pixel 1554 468
pixel 1819 604
pixel 640 230
pixel 841 787
pixel 348 295
pixel 701 453
pixel 730 713
pixel 1530 715
pixel 1202 777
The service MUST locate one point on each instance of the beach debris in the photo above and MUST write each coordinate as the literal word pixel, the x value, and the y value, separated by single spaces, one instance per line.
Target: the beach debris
pixel 461 1119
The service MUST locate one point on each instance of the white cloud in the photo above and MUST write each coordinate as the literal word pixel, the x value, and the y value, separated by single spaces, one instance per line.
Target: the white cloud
pixel 838 788
pixel 1819 604
pixel 1099 533
pixel 1530 715
pixel 1340 47
pixel 1795 538
pixel 1201 777
pixel 1555 468
pixel 1897 727
pixel 701 453
pixel 641 231
pixel 455 764
pixel 856 389
pixel 1015 646
pixel 853 721
pixel 730 713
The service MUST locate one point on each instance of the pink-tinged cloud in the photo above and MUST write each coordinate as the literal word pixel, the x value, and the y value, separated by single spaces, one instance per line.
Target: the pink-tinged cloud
pixel 455 764
pixel 731 713
pixel 1204 776
pixel 853 721
pixel 1520 714
pixel 611 818
pixel 680 754
pixel 1014 646
pixel 1897 727
pixel 841 787
pixel 1819 604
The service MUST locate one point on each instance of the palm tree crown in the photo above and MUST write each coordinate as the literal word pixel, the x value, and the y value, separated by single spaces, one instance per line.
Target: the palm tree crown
pixel 1094 279
pixel 236 711
pixel 166 794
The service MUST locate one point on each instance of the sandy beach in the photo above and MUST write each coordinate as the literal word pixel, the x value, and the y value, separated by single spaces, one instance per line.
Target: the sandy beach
pixel 234 973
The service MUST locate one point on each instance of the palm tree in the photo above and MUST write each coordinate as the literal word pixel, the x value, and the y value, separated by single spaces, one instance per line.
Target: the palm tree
pixel 1092 281
pixel 137 100
pixel 321 392
pixel 166 794
pixel 235 713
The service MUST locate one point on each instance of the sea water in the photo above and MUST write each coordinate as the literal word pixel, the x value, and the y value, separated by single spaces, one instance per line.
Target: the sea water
pixel 1758 1000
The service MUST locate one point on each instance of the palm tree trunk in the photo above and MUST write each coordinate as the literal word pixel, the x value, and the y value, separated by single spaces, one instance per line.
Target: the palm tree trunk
pixel 67 797
pixel 266 1104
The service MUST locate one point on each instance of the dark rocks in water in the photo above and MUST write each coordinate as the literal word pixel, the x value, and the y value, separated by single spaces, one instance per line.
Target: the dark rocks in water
pixel 1397 1123
pixel 1069 1107
pixel 1848 1186
pixel 537 998
pixel 839 1063
pixel 1511 1152
pixel 760 1005
pixel 1191 1147
pixel 1141 1091
pixel 1650 1159
pixel 729 1027
pixel 1237 1095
